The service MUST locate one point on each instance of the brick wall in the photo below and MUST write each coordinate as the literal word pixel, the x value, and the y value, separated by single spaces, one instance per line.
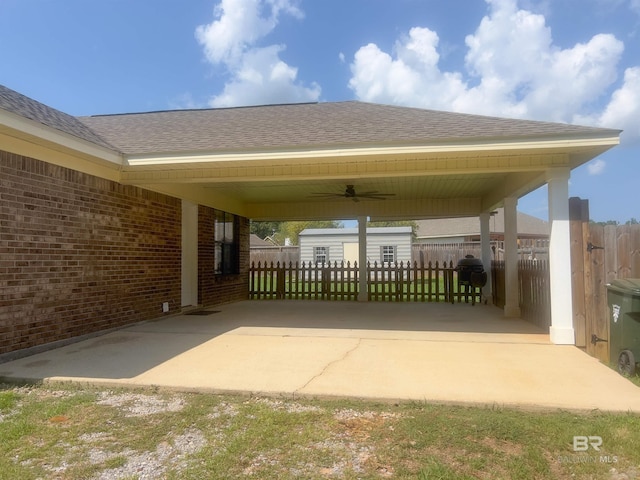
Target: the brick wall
pixel 80 254
pixel 216 289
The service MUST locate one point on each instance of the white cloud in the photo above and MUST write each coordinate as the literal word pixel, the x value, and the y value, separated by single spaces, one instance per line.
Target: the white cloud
pixel 257 73
pixel 512 68
pixel 596 167
pixel 261 77
pixel 623 111
pixel 412 78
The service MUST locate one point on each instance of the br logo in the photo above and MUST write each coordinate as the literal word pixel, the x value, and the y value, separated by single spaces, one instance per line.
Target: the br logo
pixel 582 443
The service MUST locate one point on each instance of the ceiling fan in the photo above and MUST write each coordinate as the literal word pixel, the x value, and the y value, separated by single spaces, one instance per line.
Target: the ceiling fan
pixel 350 192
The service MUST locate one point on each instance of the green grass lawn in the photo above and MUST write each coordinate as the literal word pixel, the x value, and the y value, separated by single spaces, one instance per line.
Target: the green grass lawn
pixel 73 432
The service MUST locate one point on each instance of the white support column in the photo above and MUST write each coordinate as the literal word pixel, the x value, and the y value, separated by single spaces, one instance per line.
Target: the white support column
pixel 512 296
pixel 189 254
pixel 485 241
pixel 561 331
pixel 363 293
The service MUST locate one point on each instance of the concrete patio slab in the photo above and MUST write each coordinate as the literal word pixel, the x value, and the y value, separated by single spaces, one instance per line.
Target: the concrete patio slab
pixel 444 353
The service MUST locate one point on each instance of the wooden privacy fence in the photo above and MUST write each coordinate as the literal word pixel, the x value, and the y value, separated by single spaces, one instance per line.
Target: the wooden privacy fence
pixel 533 288
pixel 528 249
pixel 403 282
pixel 599 255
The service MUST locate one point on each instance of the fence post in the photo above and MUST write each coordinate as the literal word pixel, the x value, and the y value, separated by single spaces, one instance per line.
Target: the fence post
pixel 578 216
pixel 279 281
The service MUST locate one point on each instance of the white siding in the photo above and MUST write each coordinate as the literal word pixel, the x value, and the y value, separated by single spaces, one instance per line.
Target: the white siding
pixel 333 242
pixel 334 239
pixel 402 242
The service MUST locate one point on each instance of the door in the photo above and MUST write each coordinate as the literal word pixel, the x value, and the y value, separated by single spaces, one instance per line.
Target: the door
pixel 350 252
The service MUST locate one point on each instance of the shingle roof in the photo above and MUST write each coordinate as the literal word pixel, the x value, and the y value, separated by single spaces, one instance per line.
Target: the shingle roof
pixel 26 107
pixel 256 241
pixel 292 126
pixel 452 227
pixel 310 125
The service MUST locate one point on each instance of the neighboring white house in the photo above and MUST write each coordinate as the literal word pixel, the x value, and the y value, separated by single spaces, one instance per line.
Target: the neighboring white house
pixel 384 244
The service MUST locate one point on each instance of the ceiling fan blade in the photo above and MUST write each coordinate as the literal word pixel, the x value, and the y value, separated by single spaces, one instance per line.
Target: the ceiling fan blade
pixel 351 193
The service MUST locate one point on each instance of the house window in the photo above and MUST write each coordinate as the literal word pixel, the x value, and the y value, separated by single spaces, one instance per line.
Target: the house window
pixel 321 254
pixel 388 254
pixel 227 244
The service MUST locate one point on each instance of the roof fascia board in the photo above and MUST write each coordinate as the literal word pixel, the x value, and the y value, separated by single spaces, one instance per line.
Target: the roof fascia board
pixel 38 130
pixel 333 153
pixel 66 159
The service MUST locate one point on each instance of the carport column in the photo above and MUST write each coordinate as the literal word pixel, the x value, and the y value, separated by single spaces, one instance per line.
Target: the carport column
pixel 512 296
pixel 189 254
pixel 561 331
pixel 363 293
pixel 485 241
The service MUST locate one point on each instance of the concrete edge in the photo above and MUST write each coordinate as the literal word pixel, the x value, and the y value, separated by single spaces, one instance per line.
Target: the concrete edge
pixel 524 407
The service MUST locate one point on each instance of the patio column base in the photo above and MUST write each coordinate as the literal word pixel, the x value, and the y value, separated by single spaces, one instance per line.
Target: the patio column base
pixel 562 335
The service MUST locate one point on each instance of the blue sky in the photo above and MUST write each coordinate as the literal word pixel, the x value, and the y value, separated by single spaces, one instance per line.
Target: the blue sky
pixel 575 61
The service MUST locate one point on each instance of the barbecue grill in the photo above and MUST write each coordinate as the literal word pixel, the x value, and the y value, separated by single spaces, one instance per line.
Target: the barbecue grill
pixel 471 277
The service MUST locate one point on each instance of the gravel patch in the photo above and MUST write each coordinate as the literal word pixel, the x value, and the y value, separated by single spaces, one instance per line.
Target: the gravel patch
pixel 153 465
pixel 287 406
pixel 224 410
pixel 350 414
pixel 139 405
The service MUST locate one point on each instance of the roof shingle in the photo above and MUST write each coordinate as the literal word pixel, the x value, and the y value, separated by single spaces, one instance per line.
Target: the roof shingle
pixel 26 107
pixel 311 125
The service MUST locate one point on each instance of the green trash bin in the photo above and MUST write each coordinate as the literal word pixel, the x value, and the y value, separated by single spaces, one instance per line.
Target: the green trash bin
pixel 624 335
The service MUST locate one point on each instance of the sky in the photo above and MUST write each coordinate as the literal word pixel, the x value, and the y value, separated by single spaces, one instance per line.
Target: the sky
pixel 572 61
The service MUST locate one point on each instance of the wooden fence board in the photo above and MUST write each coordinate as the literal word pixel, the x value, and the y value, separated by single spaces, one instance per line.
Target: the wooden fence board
pixel 610 252
pixel 598 319
pixel 635 251
pixel 578 224
pixel 624 252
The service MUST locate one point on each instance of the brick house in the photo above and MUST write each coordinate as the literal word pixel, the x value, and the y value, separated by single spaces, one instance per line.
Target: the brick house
pixel 115 219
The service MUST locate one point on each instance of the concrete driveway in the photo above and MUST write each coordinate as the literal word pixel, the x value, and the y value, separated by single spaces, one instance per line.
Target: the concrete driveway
pixel 411 351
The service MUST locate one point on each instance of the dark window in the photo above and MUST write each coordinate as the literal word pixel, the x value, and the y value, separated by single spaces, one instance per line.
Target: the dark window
pixel 227 244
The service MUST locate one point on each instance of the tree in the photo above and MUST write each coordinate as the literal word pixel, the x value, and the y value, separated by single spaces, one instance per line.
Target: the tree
pixel 265 229
pixel 291 230
pixel 397 223
pixel 633 221
pixel 608 222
